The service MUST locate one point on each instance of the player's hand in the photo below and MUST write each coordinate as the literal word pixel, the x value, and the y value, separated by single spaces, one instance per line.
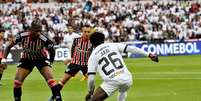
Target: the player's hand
pixel 153 57
pixel 3 66
pixel 67 61
pixel 88 97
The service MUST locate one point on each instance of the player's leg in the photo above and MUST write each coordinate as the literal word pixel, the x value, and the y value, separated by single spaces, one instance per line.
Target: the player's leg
pixel 122 96
pixel 2 68
pixel 105 90
pixel 1 73
pixel 61 83
pixel 70 72
pixel 123 90
pixel 66 77
pixel 21 74
pixel 23 70
pixel 46 72
pixel 99 95
pixel 84 72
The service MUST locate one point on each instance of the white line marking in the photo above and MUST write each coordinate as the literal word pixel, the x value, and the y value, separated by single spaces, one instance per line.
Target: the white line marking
pixel 135 78
pixel 167 73
pixel 167 78
pixel 147 78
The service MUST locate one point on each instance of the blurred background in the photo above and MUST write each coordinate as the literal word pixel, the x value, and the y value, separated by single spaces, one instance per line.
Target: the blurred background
pixel 163 27
pixel 158 26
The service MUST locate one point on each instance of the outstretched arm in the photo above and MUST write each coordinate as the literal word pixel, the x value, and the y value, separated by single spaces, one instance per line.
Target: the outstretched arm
pixel 134 49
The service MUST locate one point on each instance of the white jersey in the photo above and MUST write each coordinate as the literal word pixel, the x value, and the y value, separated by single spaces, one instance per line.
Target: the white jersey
pixel 106 59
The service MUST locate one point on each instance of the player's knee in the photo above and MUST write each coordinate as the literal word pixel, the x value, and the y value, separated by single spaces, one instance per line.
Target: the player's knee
pixel 17 83
pixel 52 82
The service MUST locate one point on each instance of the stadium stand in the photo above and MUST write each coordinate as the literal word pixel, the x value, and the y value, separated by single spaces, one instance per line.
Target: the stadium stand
pixel 153 21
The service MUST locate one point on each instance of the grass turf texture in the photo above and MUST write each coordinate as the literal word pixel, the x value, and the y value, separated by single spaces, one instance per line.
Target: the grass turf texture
pixel 174 78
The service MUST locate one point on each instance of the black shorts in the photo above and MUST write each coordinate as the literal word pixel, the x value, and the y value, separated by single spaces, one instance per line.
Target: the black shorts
pixel 72 69
pixel 29 64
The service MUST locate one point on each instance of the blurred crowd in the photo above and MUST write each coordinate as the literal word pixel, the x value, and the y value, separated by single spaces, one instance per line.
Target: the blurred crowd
pixel 119 21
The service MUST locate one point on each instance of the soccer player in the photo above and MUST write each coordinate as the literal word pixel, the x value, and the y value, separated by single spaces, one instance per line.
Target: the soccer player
pixel 80 52
pixel 2 68
pixel 107 61
pixel 34 44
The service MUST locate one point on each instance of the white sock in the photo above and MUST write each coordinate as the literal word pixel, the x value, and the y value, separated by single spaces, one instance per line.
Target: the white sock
pixel 122 96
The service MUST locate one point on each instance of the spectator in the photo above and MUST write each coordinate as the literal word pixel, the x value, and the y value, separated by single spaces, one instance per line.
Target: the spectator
pixel 159 20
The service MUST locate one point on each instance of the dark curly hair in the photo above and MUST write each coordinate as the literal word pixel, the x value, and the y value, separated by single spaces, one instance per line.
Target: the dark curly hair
pixel 97 38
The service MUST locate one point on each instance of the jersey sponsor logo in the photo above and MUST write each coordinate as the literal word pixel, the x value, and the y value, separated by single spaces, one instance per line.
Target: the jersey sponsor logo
pixel 116 74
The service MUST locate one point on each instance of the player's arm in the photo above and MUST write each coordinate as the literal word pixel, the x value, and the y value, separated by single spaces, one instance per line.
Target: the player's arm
pixel 134 49
pixel 91 87
pixel 91 83
pixel 92 65
pixel 137 50
pixel 51 50
pixel 7 50
pixel 10 45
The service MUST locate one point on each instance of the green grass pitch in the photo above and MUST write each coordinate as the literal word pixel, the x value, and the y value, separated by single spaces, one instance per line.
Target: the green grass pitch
pixel 174 78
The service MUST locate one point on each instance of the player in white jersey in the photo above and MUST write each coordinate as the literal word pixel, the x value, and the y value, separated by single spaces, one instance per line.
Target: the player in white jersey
pixel 106 59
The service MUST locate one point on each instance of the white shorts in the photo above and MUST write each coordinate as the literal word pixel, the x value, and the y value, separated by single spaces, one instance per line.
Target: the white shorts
pixel 111 86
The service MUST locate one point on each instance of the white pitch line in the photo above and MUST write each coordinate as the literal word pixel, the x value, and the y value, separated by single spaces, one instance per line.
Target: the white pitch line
pixel 135 78
pixel 167 78
pixel 151 78
pixel 167 73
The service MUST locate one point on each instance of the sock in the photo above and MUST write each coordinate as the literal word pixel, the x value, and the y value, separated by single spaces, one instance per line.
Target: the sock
pixel 17 94
pixel 55 89
pixel 0 76
pixel 59 87
pixel 122 96
pixel 56 93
